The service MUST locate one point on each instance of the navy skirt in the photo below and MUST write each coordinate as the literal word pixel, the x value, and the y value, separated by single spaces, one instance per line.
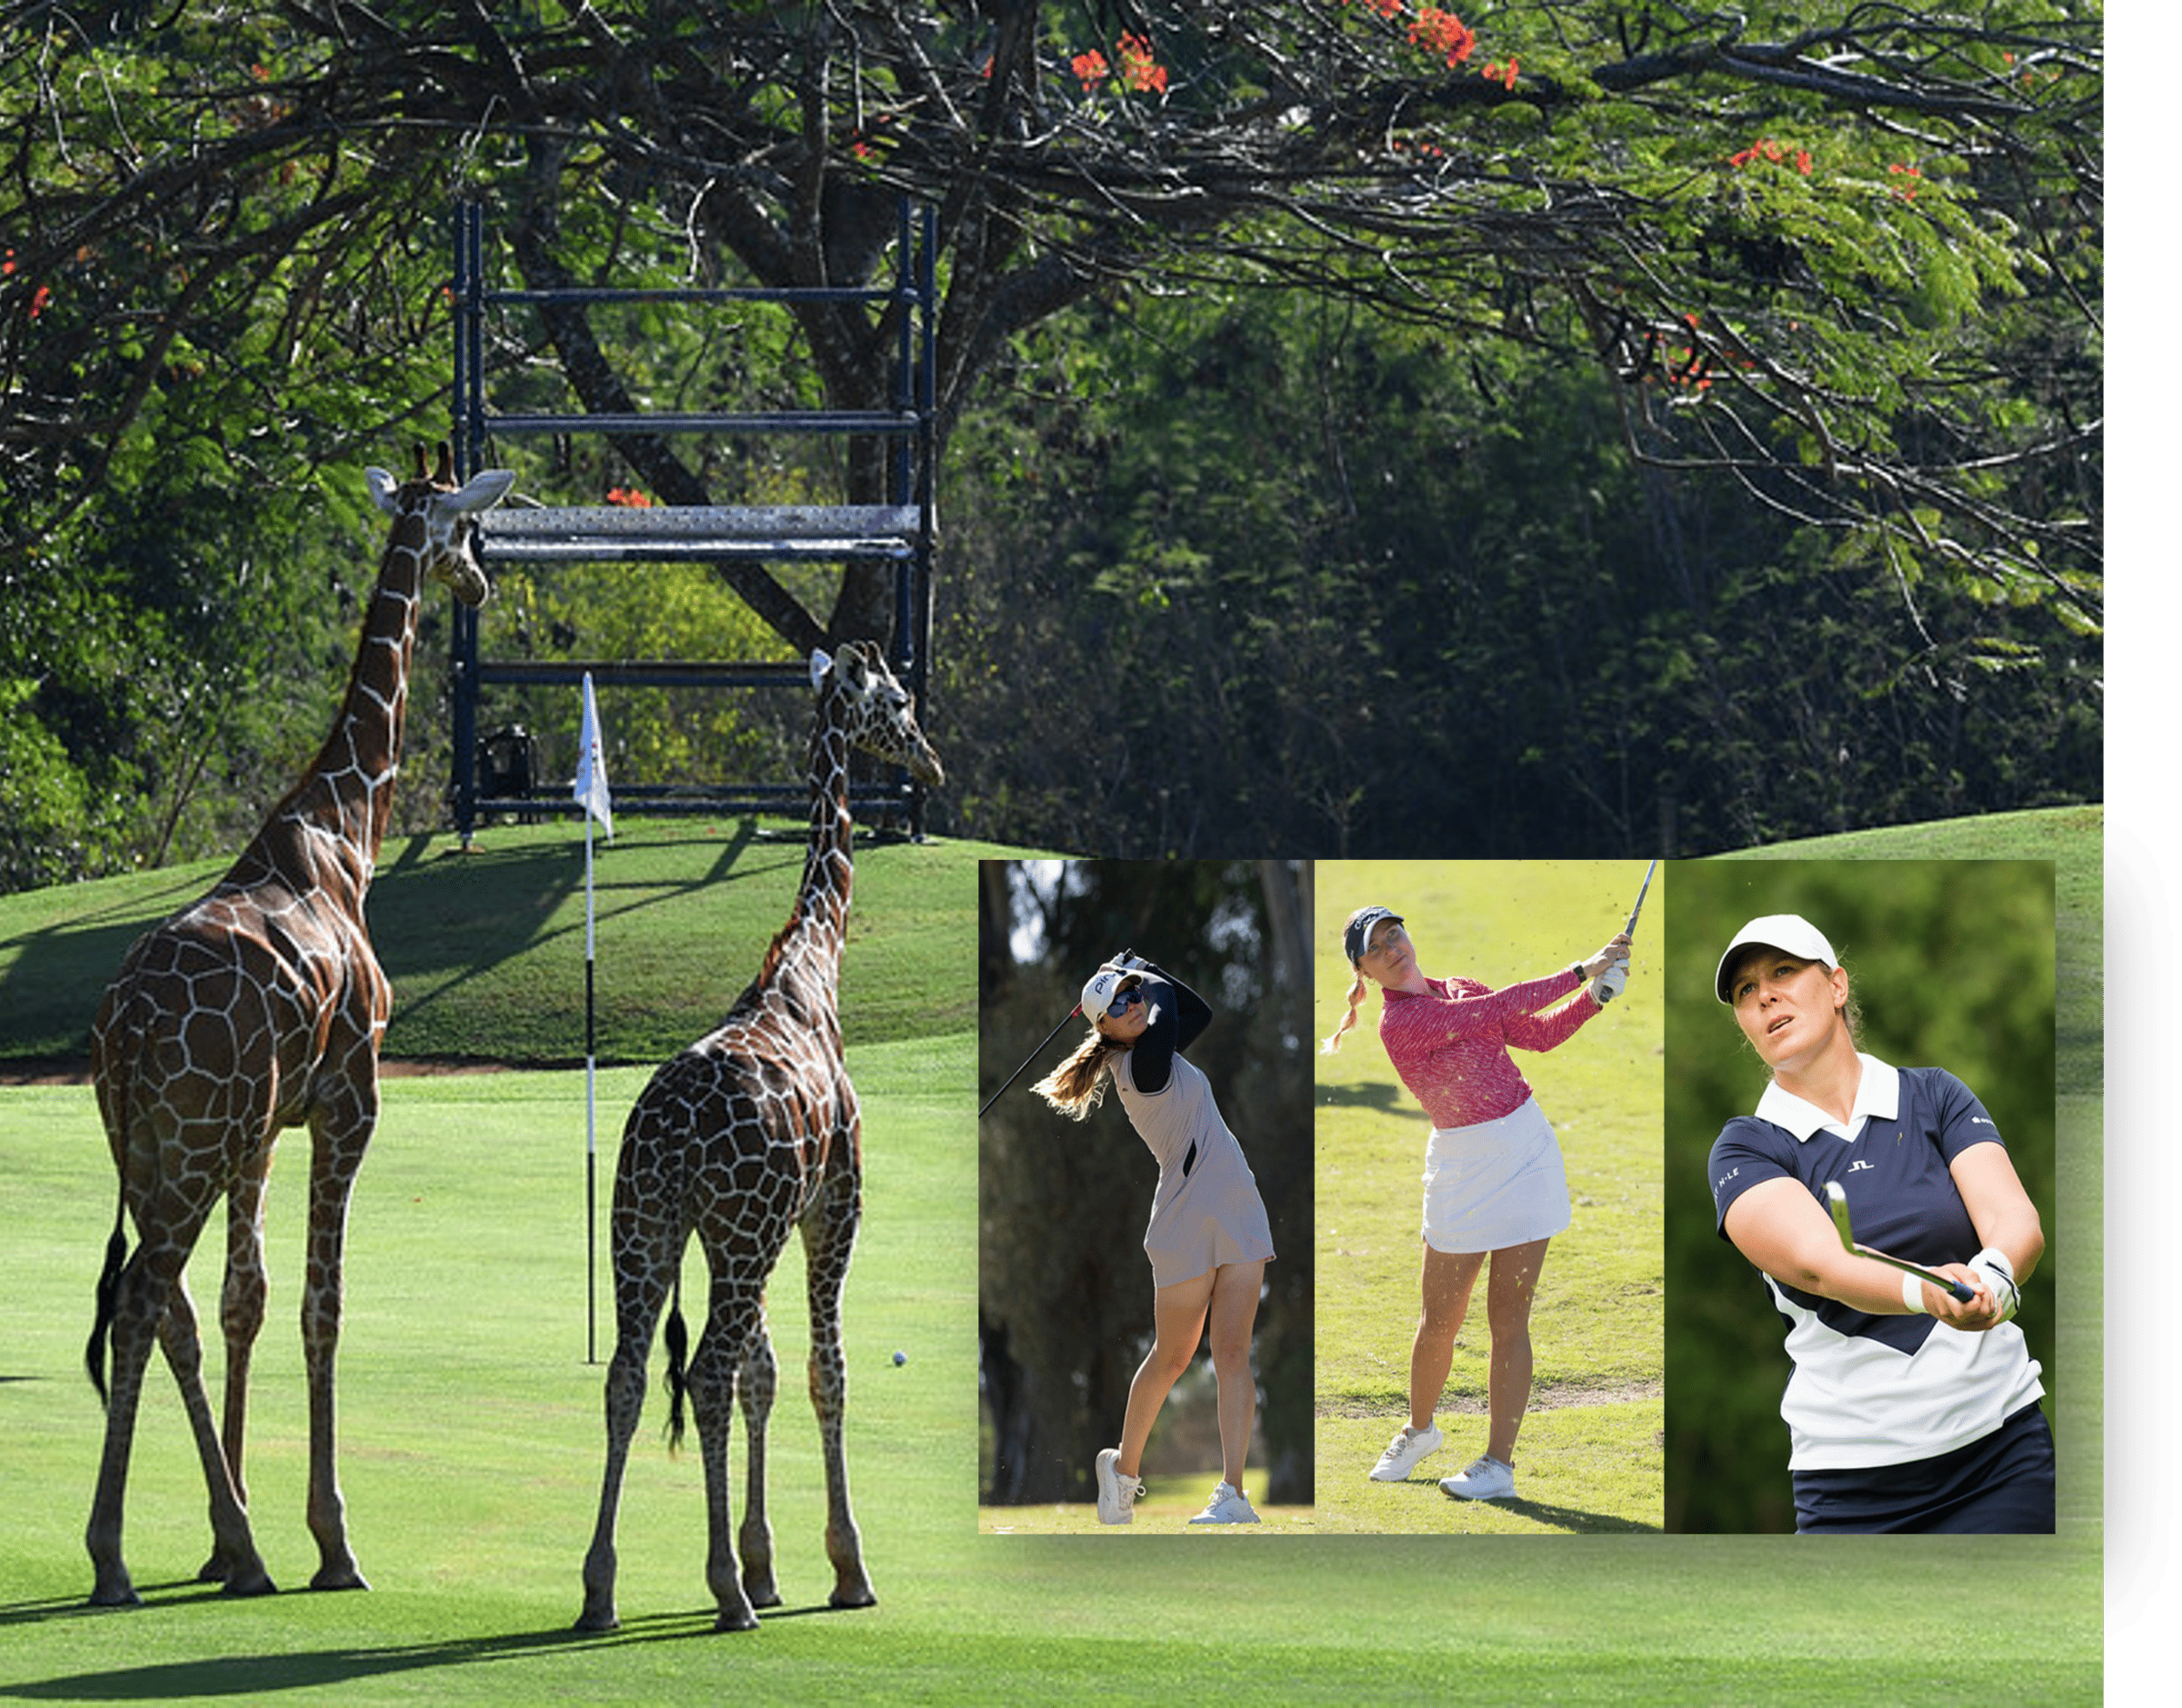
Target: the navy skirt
pixel 1999 1484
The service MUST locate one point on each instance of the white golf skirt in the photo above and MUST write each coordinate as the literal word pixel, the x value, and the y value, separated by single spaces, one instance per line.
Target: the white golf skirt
pixel 1495 1185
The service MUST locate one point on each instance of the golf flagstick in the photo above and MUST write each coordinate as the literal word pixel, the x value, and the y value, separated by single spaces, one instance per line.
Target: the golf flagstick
pixel 1606 994
pixel 597 801
pixel 1837 1202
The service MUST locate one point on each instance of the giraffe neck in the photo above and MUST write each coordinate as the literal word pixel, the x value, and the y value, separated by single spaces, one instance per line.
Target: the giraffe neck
pixel 809 949
pixel 325 835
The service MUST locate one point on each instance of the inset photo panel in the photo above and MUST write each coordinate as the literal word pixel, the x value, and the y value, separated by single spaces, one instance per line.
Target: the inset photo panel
pixel 1860 1169
pixel 1490 1320
pixel 1144 1214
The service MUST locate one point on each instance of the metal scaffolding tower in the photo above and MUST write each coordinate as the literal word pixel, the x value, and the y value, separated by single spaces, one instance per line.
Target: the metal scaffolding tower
pixel 900 531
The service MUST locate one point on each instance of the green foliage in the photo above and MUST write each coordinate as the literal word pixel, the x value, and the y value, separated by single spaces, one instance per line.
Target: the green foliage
pixel 51 831
pixel 1300 580
pixel 1847 257
pixel 672 611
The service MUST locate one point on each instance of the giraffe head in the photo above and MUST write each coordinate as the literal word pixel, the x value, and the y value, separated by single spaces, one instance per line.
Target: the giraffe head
pixel 445 513
pixel 875 711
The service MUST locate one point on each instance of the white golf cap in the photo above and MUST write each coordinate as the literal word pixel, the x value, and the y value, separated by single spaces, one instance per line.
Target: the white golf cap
pixel 1791 932
pixel 1102 986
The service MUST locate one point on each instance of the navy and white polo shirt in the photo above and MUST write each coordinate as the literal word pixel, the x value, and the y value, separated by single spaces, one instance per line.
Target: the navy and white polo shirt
pixel 1880 1390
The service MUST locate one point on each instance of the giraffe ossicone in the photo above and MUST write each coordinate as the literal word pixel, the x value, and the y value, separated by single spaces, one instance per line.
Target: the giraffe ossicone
pixel 261 1007
pixel 752 1132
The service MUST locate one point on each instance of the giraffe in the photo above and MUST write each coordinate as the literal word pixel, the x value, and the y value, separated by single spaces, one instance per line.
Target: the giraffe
pixel 261 1007
pixel 750 1132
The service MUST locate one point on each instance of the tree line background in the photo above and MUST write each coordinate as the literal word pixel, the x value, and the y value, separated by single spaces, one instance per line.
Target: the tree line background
pixel 1565 428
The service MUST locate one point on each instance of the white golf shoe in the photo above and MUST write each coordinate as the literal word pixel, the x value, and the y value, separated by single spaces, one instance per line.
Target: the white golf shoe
pixel 1229 1506
pixel 1486 1479
pixel 1405 1453
pixel 1118 1491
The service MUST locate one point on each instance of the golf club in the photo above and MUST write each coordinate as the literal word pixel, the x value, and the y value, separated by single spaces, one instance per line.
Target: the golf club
pixel 1033 1056
pixel 1606 992
pixel 1838 1201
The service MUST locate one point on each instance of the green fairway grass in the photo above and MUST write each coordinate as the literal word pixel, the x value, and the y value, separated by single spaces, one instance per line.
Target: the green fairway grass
pixel 471 1422
pixel 1589 1457
pixel 472 1433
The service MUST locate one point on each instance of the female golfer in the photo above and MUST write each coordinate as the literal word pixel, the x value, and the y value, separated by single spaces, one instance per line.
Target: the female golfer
pixel 1493 1178
pixel 1906 1410
pixel 1208 1239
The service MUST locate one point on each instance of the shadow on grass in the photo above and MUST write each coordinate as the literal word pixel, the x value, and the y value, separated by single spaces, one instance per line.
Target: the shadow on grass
pixel 441 921
pixel 1575 1520
pixel 253 1676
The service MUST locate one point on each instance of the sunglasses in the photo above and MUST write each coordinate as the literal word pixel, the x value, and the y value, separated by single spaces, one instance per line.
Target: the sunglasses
pixel 1120 1005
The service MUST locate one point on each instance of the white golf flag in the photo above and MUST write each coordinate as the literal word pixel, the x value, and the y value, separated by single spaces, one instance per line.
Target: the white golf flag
pixel 591 764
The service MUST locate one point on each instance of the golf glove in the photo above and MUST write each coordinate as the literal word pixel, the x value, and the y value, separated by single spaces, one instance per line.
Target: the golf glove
pixel 1610 984
pixel 1992 1268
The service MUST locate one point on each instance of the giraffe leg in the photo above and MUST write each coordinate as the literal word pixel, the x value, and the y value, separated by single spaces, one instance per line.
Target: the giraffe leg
pixel 241 1316
pixel 137 1308
pixel 829 1238
pixel 712 1380
pixel 760 1382
pixel 640 1289
pixel 233 1561
pixel 338 1136
pixel 152 1304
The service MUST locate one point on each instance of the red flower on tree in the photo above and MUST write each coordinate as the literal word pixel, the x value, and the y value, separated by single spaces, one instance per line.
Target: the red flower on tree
pixel 1439 32
pixel 1767 149
pixel 628 497
pixel 1139 70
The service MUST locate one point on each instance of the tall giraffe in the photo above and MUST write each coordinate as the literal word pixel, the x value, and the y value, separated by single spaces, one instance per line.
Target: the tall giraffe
pixel 750 1132
pixel 261 1007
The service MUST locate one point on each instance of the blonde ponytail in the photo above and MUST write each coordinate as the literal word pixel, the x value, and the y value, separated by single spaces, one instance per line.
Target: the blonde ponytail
pixel 1356 997
pixel 1078 1086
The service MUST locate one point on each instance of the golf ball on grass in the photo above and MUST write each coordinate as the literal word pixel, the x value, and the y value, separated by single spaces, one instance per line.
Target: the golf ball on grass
pixel 901 1358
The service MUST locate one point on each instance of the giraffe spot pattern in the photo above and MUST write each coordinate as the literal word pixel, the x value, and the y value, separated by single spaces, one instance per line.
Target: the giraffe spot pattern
pixel 750 1134
pixel 258 1008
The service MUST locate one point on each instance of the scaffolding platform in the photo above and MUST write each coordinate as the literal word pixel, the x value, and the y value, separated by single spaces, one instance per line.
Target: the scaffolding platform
pixel 698 533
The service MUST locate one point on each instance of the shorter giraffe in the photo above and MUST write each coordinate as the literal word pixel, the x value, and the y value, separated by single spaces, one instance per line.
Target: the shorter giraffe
pixel 749 1133
pixel 258 1008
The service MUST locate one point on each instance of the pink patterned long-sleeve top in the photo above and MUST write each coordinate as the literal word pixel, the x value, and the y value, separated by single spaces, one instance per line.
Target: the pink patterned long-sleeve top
pixel 1451 1047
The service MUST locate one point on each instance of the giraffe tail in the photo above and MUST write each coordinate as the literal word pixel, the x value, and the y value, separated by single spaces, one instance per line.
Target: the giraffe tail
pixel 677 1371
pixel 109 1294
